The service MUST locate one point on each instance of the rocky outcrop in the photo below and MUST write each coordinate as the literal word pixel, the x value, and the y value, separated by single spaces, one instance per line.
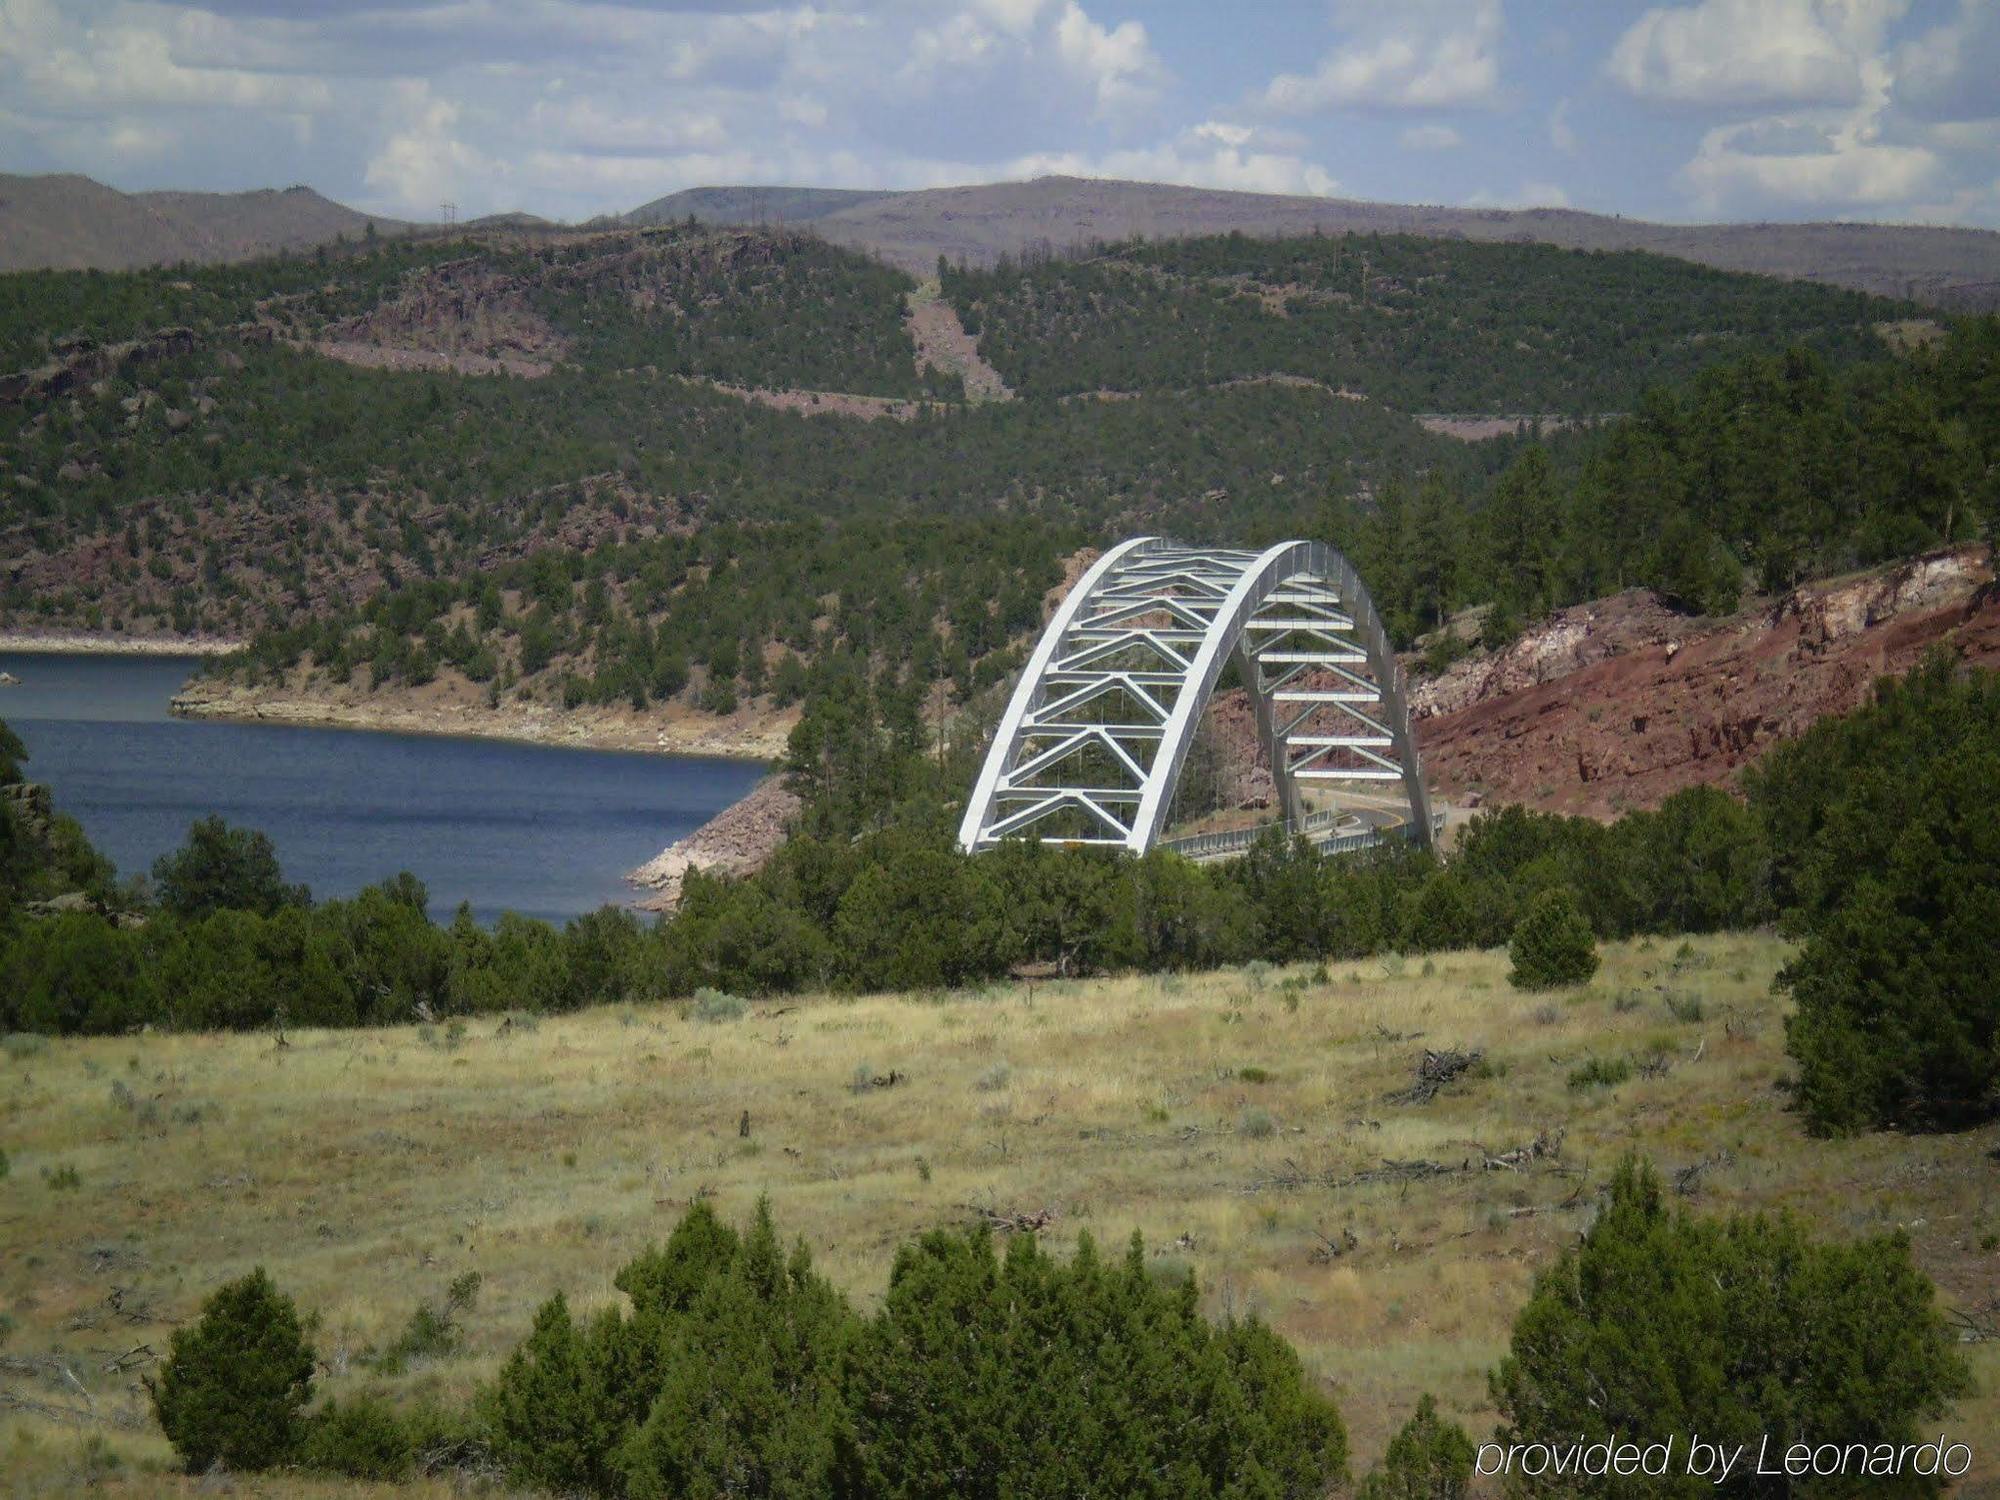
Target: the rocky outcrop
pixel 736 841
pixel 78 361
pixel 461 315
pixel 29 808
pixel 1602 709
pixel 1568 641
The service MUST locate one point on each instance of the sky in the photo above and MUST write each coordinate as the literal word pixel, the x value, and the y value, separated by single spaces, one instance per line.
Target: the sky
pixel 1708 109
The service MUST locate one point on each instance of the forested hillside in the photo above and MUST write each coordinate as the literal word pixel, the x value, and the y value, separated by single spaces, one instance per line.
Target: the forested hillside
pixel 1761 472
pixel 615 523
pixel 1422 325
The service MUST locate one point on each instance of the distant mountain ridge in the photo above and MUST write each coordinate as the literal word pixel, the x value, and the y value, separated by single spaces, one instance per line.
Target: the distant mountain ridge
pixel 70 222
pixel 750 205
pixel 1958 268
pixel 73 222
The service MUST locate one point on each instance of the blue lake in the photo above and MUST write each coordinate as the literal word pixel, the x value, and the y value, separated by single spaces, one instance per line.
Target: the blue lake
pixel 536 829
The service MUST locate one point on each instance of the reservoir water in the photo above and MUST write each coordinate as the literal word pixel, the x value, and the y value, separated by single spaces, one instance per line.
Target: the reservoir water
pixel 544 831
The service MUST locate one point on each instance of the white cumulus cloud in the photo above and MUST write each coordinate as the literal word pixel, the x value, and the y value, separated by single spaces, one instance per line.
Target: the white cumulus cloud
pixel 1758 164
pixel 1752 52
pixel 1431 138
pixel 1420 54
pixel 1117 62
pixel 424 162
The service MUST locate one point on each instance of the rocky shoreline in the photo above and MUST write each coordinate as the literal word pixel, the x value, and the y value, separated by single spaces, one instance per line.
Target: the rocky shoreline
pixel 736 841
pixel 740 737
pixel 103 643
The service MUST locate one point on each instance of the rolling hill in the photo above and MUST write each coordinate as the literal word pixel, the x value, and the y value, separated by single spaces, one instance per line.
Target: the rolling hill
pixel 749 205
pixel 672 473
pixel 68 222
pixel 72 222
pixel 1950 267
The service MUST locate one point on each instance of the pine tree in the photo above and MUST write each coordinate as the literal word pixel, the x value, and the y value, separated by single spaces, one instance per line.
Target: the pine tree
pixel 1430 1459
pixel 1553 944
pixel 235 1384
pixel 1661 1324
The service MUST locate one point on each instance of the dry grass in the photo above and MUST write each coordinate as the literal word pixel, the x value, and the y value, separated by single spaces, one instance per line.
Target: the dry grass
pixel 366 1169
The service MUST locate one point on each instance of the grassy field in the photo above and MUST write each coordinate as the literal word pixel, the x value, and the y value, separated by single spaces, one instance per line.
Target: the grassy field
pixel 1232 1117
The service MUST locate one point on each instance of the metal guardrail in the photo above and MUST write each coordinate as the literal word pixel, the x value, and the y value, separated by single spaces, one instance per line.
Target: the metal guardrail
pixel 1236 840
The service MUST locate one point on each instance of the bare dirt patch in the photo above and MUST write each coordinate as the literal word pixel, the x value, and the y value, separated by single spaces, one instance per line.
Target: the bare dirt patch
pixel 388 357
pixel 1475 428
pixel 943 344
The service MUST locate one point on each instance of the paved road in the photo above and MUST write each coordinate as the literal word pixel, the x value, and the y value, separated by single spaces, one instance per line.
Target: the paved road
pixel 1364 819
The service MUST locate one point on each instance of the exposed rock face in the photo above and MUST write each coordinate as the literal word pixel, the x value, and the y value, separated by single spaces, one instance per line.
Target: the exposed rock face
pixel 736 841
pixel 80 361
pixel 462 315
pixel 28 804
pixel 1246 770
pixel 1570 640
pixel 1608 707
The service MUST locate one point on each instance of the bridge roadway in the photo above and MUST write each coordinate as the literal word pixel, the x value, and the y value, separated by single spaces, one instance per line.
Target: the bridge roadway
pixel 1363 823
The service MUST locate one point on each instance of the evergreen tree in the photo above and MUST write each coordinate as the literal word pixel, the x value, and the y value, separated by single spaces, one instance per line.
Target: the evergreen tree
pixel 552 1413
pixel 221 868
pixel 1553 944
pixel 1661 1325
pixel 1429 1459
pixel 749 1395
pixel 1898 1018
pixel 984 1377
pixel 234 1386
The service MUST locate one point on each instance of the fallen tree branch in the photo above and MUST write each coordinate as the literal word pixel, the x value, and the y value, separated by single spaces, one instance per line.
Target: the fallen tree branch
pixel 1330 1249
pixel 1434 1071
pixel 1976 1325
pixel 1687 1181
pixel 1030 1222
pixel 1542 1147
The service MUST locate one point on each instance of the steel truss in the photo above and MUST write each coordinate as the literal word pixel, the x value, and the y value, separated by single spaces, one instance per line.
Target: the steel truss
pixel 1092 744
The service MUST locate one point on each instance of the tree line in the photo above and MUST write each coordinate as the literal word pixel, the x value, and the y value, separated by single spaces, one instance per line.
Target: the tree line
pixel 937 605
pixel 731 1365
pixel 1765 471
pixel 1866 838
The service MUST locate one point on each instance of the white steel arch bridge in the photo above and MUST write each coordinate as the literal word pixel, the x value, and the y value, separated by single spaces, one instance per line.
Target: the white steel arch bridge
pixel 1092 744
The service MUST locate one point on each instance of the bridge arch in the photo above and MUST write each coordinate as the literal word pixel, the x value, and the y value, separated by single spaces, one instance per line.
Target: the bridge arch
pixel 1091 747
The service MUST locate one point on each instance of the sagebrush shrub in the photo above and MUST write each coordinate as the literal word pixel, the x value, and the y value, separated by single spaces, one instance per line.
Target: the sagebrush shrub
pixel 362 1439
pixel 718 1005
pixel 1600 1073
